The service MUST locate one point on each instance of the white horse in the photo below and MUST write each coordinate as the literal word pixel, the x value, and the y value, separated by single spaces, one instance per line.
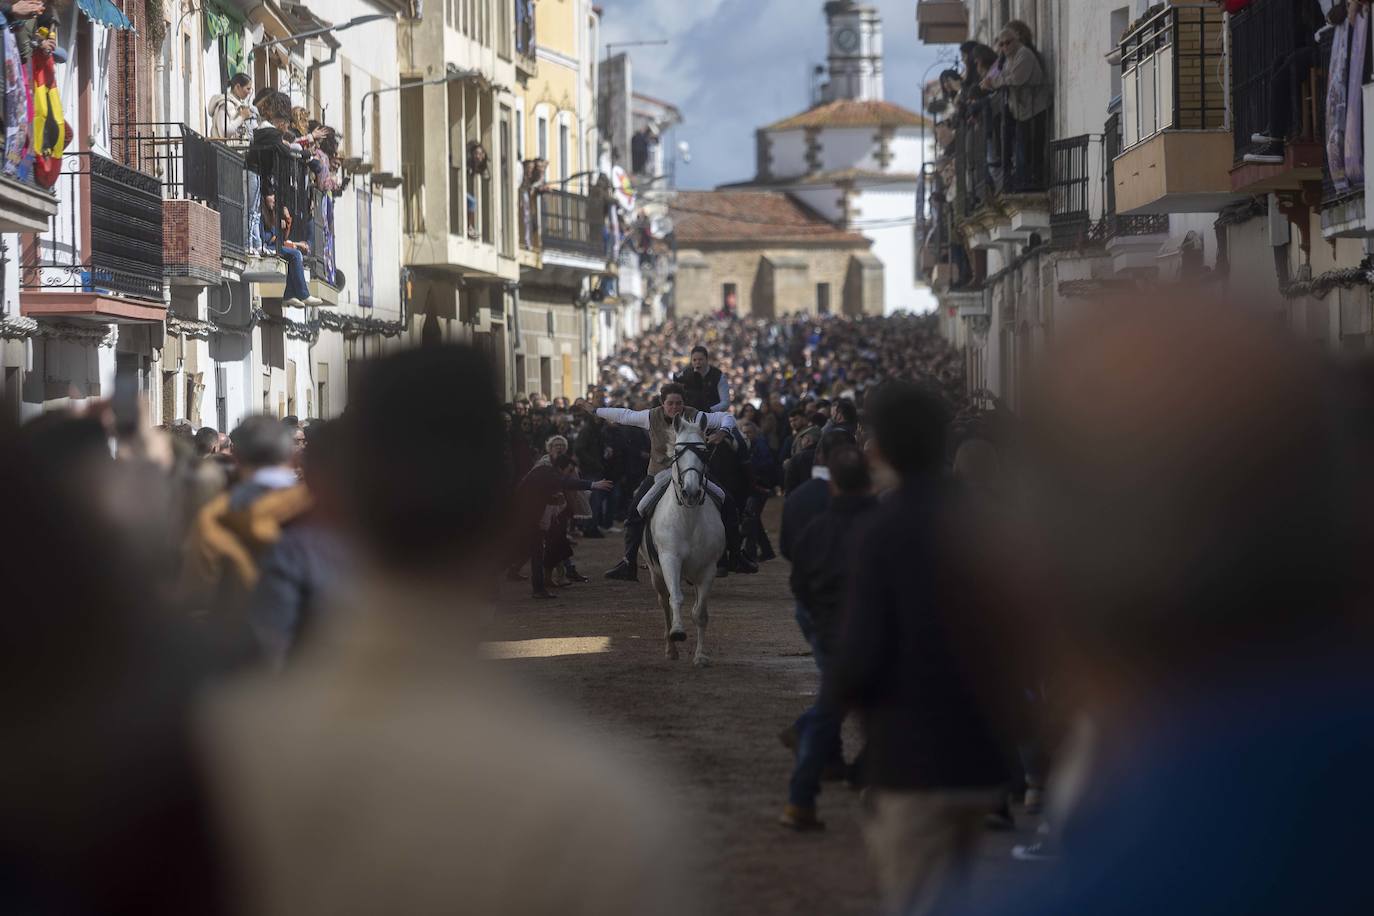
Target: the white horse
pixel 685 538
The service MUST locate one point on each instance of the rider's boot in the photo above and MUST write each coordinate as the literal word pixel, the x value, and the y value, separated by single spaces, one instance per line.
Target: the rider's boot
pixel 625 571
pixel 740 563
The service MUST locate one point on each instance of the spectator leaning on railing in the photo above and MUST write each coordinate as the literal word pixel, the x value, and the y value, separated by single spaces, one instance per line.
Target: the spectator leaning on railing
pixel 1022 74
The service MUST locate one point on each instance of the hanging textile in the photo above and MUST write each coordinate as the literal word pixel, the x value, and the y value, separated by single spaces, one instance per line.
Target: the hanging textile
pixel 105 13
pixel 1336 89
pixel 16 103
pixel 50 130
pixel 224 26
pixel 1354 110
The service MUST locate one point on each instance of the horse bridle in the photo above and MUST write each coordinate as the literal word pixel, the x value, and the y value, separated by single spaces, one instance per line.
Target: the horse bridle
pixel 695 448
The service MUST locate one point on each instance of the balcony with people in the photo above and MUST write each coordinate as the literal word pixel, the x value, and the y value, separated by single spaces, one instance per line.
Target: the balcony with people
pixel 1176 146
pixel 1282 69
pixel 525 38
pixel 1000 123
pixel 294 175
pixel 941 22
pixel 32 161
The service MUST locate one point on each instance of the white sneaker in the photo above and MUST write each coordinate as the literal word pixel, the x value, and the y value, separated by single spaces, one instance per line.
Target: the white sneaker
pixel 293 303
pixel 314 302
pixel 1260 137
pixel 1269 154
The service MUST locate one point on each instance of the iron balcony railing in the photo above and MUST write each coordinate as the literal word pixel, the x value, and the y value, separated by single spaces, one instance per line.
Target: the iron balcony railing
pixel 1070 178
pixel 1114 224
pixel 1172 68
pixel 1263 36
pixel 566 223
pixel 191 167
pixel 989 162
pixel 106 236
pixel 525 38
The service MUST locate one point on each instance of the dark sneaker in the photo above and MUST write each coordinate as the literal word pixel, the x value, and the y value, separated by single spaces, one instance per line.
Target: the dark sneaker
pixel 1268 154
pixel 575 576
pixel 544 596
pixel 800 819
pixel 767 555
pixel 624 571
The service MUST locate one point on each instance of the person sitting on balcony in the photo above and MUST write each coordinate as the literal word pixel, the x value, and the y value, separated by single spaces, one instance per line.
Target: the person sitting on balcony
pixel 1310 18
pixel 277 237
pixel 1021 72
pixel 231 115
pixel 478 167
pixel 531 185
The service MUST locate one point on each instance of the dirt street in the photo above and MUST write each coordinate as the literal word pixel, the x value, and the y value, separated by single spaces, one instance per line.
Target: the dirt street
pixel 714 730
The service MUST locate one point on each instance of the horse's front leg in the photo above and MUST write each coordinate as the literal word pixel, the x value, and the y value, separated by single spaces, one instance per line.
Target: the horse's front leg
pixel 701 659
pixel 672 577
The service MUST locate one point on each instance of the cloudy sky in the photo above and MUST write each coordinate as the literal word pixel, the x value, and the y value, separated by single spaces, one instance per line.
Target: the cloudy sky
pixel 735 65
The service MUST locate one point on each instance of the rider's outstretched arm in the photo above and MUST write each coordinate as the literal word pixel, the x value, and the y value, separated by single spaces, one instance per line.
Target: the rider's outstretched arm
pixel 720 420
pixel 624 416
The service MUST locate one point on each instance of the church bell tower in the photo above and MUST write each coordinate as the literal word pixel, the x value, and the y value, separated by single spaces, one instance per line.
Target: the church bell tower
pixel 855 52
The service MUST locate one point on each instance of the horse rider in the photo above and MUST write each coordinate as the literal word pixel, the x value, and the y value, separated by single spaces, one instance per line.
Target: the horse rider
pixel 705 387
pixel 659 423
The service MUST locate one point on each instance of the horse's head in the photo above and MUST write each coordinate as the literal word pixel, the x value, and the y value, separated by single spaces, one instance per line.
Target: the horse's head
pixel 689 460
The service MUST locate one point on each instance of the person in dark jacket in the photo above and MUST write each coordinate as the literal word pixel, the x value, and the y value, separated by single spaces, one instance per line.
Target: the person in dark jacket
pixel 533 496
pixel 811 498
pixel 933 764
pixel 590 450
pixel 706 386
pixel 819 580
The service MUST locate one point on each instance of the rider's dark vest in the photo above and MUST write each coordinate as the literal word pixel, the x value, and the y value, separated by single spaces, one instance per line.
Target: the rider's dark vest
pixel 702 391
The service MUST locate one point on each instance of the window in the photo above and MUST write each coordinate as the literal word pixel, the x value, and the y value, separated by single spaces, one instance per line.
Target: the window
pixel 521 379
pixel 364 201
pixel 322 388
pixel 822 298
pixel 186 91
pixel 543 137
pixel 564 162
pixel 14 393
pixel 413 156
pixel 729 298
pixel 546 376
pixel 507 185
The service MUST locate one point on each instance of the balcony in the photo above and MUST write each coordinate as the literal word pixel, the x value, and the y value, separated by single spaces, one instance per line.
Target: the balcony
pixel 25 207
pixel 1001 193
pixel 941 22
pixel 100 256
pixel 1264 36
pixel 566 225
pixel 1176 146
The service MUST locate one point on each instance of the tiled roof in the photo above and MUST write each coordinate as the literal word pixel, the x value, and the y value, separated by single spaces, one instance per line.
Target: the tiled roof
pixel 751 216
pixel 848 113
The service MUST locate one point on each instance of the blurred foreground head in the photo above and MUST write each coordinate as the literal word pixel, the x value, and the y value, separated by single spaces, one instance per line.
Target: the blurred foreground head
pixel 1192 491
pixel 425 462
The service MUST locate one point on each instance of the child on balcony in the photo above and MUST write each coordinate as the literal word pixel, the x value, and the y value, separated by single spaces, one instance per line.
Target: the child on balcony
pixel 276 230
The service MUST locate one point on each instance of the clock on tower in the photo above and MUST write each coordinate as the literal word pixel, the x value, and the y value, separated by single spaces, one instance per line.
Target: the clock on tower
pixel 856 51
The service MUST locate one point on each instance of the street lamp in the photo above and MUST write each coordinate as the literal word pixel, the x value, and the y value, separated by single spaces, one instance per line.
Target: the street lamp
pixel 300 36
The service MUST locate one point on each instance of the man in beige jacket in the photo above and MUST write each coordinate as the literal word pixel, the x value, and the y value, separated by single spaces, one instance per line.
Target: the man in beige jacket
pixel 389 770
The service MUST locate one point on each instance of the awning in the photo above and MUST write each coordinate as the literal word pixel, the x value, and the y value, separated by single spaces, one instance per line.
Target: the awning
pixel 105 13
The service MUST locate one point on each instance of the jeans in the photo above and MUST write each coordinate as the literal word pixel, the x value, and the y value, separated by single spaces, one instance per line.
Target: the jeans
pixel 755 535
pixel 601 506
pixel 254 212
pixel 818 729
pixel 296 287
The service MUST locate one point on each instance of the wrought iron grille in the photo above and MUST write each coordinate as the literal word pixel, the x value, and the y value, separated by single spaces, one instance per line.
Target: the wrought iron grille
pixel 1113 224
pixel 106 236
pixel 1170 71
pixel 566 223
pixel 1070 216
pixel 1263 35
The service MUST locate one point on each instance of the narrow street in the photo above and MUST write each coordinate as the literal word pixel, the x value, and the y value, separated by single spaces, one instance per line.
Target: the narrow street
pixel 715 731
